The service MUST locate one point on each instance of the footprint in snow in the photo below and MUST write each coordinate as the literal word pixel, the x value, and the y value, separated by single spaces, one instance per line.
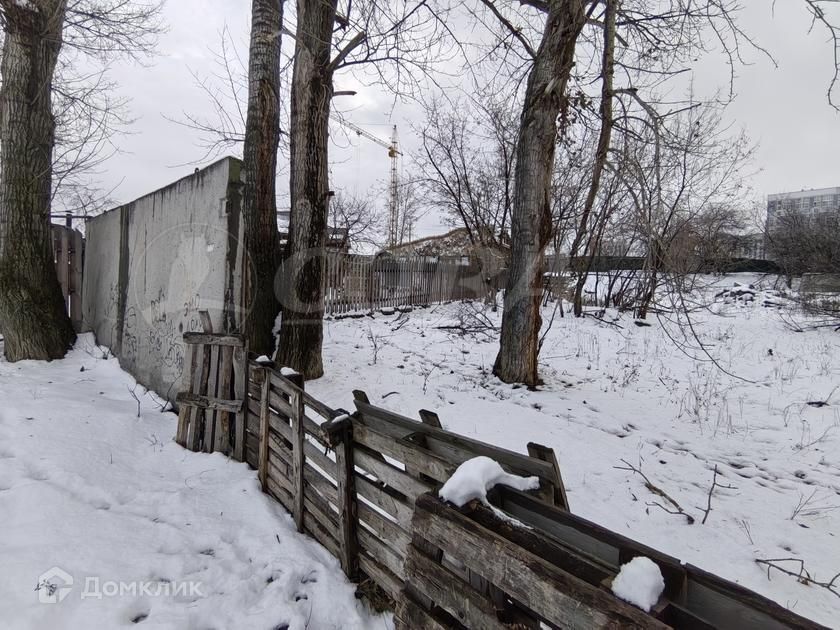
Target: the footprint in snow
pixel 35 472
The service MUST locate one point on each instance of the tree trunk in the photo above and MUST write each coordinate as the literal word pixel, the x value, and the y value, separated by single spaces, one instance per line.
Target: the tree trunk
pixel 33 315
pixel 301 331
pixel 604 139
pixel 262 135
pixel 531 218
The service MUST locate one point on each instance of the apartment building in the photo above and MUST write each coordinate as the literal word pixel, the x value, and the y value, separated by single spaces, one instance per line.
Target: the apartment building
pixel 816 205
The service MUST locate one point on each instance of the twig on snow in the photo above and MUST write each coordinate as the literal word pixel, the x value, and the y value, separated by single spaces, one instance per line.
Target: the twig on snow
pixel 803 576
pixel 134 396
pixel 715 484
pixel 658 491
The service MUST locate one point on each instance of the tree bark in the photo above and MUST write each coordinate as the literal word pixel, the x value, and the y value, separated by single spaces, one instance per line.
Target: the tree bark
pixel 301 331
pixel 33 315
pixel 262 135
pixel 531 217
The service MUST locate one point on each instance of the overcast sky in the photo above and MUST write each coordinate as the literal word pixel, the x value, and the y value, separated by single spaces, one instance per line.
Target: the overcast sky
pixel 783 109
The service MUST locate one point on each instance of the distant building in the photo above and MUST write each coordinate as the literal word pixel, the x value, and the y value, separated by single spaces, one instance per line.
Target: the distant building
pixel 454 245
pixel 815 205
pixel 338 239
pixel 751 246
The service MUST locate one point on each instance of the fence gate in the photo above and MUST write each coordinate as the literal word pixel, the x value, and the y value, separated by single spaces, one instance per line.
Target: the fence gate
pixel 69 252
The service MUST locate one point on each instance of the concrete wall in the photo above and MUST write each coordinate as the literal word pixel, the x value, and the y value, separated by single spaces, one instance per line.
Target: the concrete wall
pixel 153 264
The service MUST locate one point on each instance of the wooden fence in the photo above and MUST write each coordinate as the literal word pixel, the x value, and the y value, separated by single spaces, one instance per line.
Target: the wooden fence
pixel 357 284
pixel 363 485
pixel 69 253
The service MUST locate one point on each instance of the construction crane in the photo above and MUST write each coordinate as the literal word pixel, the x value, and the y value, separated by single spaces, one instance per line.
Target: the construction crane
pixel 393 154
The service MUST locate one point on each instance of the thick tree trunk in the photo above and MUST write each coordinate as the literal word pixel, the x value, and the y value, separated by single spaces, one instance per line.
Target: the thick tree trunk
pixel 33 315
pixel 301 331
pixel 262 135
pixel 531 217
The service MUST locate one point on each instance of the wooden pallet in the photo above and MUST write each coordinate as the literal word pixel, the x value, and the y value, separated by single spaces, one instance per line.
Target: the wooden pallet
pixel 211 416
pixel 550 568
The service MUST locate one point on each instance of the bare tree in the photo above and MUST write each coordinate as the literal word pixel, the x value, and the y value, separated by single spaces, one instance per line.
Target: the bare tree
pixel 410 209
pixel 677 172
pixel 467 165
pixel 262 135
pixel 358 216
pixel 33 315
pixel 653 42
pixel 800 243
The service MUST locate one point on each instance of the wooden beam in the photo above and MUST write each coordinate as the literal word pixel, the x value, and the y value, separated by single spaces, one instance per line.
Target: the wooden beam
pixel 347 511
pixel 263 470
pixel 517 462
pixel 558 489
pixel 450 592
pixel 240 391
pixel 298 435
pixel 221 441
pixel 192 338
pixel 206 402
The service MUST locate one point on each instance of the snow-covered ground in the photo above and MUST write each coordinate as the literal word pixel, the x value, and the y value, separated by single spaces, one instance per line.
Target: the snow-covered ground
pixel 168 538
pixel 614 391
pixel 176 539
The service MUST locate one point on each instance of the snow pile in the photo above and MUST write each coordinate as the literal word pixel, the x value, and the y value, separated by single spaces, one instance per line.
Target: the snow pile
pixel 639 582
pixel 476 476
pixel 264 360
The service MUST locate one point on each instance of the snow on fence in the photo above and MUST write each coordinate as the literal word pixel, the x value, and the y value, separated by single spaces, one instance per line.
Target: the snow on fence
pixel 363 485
pixel 69 253
pixel 355 284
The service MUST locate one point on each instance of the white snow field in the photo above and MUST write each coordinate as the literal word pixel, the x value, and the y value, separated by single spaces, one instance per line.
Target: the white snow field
pixel 168 538
pixel 629 393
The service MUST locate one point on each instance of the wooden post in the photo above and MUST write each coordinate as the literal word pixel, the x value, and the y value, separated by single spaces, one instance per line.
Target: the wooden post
pixel 210 415
pixel 264 425
pixel 221 438
pixel 430 418
pixel 340 437
pixel 240 386
pixel 76 268
pixel 199 386
pixel 184 411
pixel 298 436
pixel 538 451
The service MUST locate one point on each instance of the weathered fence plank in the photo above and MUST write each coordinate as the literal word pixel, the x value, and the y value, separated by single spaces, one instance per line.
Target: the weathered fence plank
pixel 298 437
pixel 346 490
pixel 264 426
pixel 448 591
pixel 558 597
